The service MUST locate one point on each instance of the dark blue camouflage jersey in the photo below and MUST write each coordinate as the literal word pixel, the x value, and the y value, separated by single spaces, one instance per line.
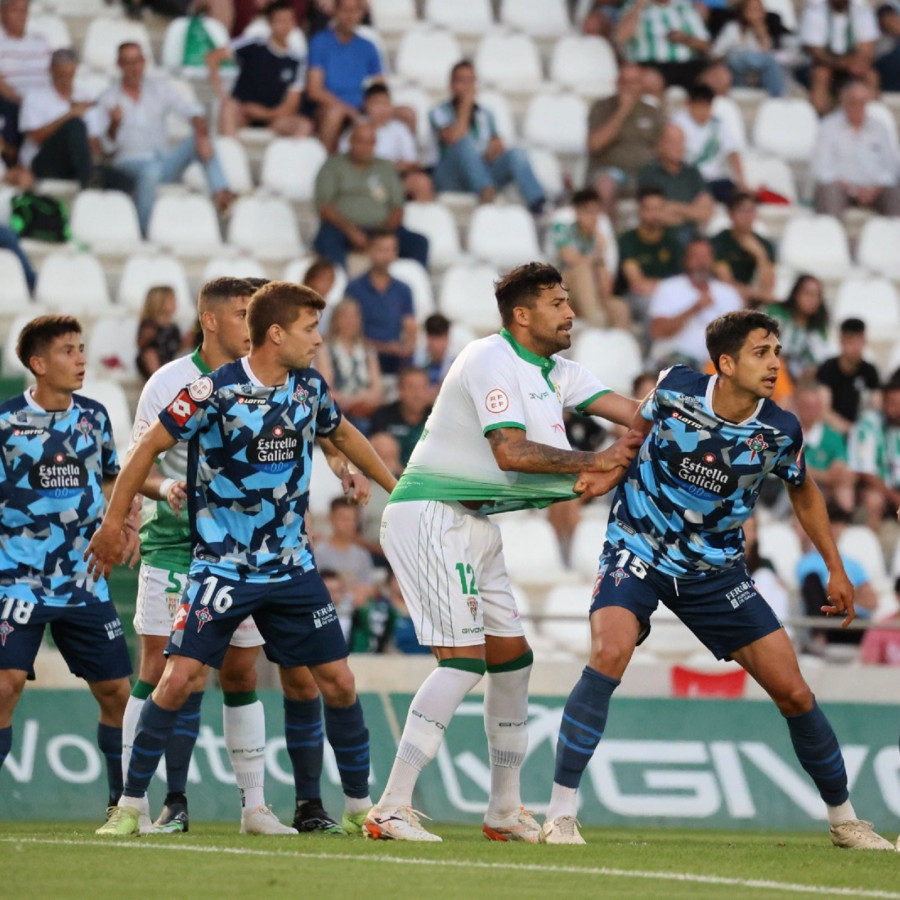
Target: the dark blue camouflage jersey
pixel 249 461
pixel 696 477
pixel 52 466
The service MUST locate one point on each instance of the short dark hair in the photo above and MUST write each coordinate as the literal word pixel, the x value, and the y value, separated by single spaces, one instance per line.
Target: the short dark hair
pixel 585 196
pixel 650 190
pixel 739 197
pixel 819 319
pixel 256 282
pixel 853 326
pixel 726 335
pixel 699 92
pixel 522 286
pixel 341 503
pixel 837 513
pixel 318 266
pixel 278 303
pixel 377 87
pixel 462 64
pixel 436 325
pixel 275 6
pixel 892 384
pixel 39 333
pixel 222 289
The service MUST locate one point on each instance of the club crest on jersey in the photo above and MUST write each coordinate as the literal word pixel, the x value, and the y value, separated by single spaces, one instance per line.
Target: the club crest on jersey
pixel 301 395
pixel 84 426
pixel 203 616
pixel 5 630
pixel 756 444
pixel 473 607
pixel 496 401
pixel 619 575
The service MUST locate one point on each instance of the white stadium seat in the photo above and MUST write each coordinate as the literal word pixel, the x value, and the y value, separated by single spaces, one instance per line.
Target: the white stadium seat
pixel 436 222
pixel 101 41
pixel 146 270
pixel 111 348
pixel 290 166
pixel 727 110
pixel 14 296
pixel 786 127
pixel 877 246
pixel 770 172
pixel 816 244
pixel 425 57
pixel 585 64
pixel 467 17
pixel 505 236
pixel 235 164
pixel 111 394
pixel 566 621
pixel 172 53
pixel 541 18
pixel 10 366
pixel 233 267
pixel 509 62
pixel 393 15
pixel 106 222
pixel 531 549
pixel 547 170
pixel 497 104
pixel 73 283
pixel 587 542
pixel 872 299
pixel 416 277
pixel 51 27
pixel 779 543
pixel 265 227
pixel 186 224
pixel 467 297
pixel 557 122
pixel 612 354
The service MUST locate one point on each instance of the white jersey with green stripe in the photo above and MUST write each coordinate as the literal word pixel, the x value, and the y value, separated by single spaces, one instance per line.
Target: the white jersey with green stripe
pixel 873 448
pixel 165 537
pixel 496 383
pixel 651 39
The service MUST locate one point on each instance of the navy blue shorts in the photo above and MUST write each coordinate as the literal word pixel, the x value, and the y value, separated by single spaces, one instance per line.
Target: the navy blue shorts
pixel 296 618
pixel 724 610
pixel 89 637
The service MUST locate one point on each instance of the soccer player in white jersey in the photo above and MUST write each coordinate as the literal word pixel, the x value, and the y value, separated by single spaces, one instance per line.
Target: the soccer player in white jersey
pixel 166 555
pixel 494 442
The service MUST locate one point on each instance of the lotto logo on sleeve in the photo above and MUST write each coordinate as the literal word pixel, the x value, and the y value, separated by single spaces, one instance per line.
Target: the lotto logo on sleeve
pixel 496 401
pixel 182 407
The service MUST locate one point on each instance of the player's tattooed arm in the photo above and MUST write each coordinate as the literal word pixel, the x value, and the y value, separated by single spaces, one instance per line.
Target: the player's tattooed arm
pixel 515 453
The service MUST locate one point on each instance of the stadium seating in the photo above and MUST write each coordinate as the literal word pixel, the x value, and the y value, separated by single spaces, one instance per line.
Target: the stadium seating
pixel 816 244
pixel 145 270
pixel 106 222
pixel 565 613
pixel 532 551
pixel 265 227
pixel 503 235
pixel 540 18
pixel 51 27
pixel 497 103
pixel 240 266
pixel 393 16
pixel 425 57
pixel 185 224
pixel 111 348
pixel 235 165
pixel 290 166
pixel 464 17
pixel 172 53
pixel 436 222
pixel 786 127
pixel 102 39
pixel 111 394
pixel 876 249
pixel 73 283
pixel 467 295
pixel 613 355
pixel 557 122
pixel 584 64
pixel 415 275
pixel 16 298
pixel 872 299
pixel 509 62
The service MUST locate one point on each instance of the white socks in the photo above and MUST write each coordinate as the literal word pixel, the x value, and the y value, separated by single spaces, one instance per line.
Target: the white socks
pixel 245 739
pixel 129 728
pixel 505 718
pixel 843 813
pixel 563 802
pixel 430 713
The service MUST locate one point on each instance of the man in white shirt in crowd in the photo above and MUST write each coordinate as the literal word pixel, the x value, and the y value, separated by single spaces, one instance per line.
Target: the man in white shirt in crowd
pixel 683 306
pixel 130 121
pixel 24 65
pixel 854 161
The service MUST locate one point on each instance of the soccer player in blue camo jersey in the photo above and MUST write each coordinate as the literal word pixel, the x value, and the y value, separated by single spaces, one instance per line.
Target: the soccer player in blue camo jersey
pixel 675 536
pixel 57 458
pixel 250 427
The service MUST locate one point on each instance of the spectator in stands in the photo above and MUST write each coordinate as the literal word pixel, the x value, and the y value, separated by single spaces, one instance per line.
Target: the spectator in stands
pixel 747 44
pixel 159 338
pixel 824 449
pixel 386 304
pixel 388 448
pixel 887 62
pixel 341 63
pixel 683 306
pixel 270 82
pixel 320 276
pixel 647 253
pixel 357 194
pixel 623 131
pixel 52 118
pixel 804 327
pixel 404 419
pixel 342 551
pixel 471 155
pixel 394 141
pixel 689 204
pixel 880 646
pixel 24 66
pixel 130 123
pixel 855 161
pixel 373 624
pixel 852 380
pixel 20 178
pixel 434 354
pixel 812 576
pixel 350 365
pixel 668 35
pixel 710 144
pixel 873 449
pixel 839 36
pixel 404 633
pixel 744 258
pixel 581 255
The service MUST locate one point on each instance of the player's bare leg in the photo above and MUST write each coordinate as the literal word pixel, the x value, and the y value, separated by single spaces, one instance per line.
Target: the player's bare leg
pixel 12 683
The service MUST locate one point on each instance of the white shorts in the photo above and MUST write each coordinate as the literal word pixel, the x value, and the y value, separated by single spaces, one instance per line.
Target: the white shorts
pixel 449 564
pixel 158 598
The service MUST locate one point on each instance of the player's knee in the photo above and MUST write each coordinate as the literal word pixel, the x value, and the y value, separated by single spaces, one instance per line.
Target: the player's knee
pixel 339 687
pixel 610 659
pixel 10 691
pixel 796 701
pixel 173 688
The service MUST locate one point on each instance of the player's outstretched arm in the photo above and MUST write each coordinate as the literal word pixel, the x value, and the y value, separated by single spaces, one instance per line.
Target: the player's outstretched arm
pixel 515 453
pixel 349 440
pixel 615 408
pixel 357 488
pixel 107 544
pixel 809 508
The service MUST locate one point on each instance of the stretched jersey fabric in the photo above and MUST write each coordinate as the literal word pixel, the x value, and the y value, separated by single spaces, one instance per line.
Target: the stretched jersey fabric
pixel 52 466
pixel 697 476
pixel 496 383
pixel 165 537
pixel 249 462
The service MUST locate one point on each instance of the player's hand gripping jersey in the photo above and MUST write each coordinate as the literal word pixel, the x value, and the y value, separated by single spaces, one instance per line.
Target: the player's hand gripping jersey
pixel 249 461
pixel 697 476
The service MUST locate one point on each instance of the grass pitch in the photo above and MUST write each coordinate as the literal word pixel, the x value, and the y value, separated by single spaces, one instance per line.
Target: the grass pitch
pixel 212 860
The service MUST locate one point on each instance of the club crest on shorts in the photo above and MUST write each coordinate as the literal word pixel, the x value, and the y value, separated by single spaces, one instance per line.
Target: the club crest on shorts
pixel 203 616
pixel 5 630
pixel 618 575
pixel 473 607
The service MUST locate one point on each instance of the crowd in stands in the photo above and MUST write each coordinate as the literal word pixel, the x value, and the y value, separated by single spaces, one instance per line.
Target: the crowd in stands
pixel 659 226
